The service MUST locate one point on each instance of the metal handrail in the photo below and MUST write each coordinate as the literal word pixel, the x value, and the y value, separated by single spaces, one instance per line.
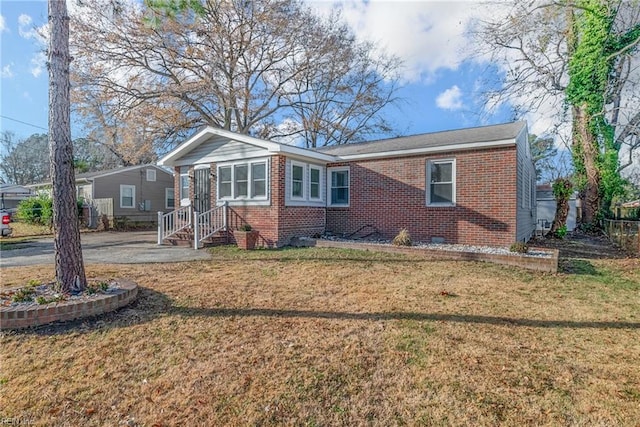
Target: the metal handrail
pixel 173 222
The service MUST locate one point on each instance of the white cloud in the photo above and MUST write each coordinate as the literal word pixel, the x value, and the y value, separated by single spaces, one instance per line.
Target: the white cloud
pixel 3 25
pixel 450 99
pixel 426 35
pixel 38 63
pixel 6 72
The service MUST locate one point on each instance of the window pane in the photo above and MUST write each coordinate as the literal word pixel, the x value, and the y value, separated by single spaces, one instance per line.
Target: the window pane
pixel 441 172
pixel 297 173
pixel 340 196
pixel 241 189
pixel 241 172
pixel 315 175
pixel 225 174
pixel 240 178
pixel 339 178
pixel 225 190
pixel 315 190
pixel 170 202
pixel 258 189
pixel 441 193
pixel 258 171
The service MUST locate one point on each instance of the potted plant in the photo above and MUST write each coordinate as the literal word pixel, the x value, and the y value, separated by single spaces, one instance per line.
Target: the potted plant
pixel 246 237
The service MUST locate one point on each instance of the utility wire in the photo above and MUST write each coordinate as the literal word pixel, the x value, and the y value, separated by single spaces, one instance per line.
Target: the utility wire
pixel 24 123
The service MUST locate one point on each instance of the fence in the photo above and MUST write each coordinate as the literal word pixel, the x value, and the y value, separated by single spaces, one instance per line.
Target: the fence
pixel 625 234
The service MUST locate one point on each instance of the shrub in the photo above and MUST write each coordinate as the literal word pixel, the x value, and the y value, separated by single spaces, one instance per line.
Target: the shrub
pixel 403 238
pixel 39 210
pixel 519 247
pixel 245 227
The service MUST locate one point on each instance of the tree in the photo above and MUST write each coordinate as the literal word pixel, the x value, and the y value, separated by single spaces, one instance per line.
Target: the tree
pixel 70 274
pixel 24 161
pixel 270 68
pixel 557 54
pixel 562 190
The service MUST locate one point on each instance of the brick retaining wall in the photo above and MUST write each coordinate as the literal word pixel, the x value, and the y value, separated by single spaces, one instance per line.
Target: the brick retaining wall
pixel 22 317
pixel 549 264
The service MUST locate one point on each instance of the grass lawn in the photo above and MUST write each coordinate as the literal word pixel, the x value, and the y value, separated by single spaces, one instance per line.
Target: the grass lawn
pixel 337 337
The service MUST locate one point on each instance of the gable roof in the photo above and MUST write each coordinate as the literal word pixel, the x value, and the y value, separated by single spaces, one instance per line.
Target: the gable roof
pixel 204 134
pixel 452 140
pixel 89 176
pixel 468 138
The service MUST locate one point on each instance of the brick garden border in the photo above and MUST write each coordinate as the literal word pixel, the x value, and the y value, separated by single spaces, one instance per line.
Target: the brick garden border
pixel 547 264
pixel 23 317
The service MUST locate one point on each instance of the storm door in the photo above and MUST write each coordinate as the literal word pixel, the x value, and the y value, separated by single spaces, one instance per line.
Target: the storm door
pixel 202 190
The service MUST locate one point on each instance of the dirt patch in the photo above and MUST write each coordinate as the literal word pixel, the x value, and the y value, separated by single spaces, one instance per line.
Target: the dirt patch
pixel 582 246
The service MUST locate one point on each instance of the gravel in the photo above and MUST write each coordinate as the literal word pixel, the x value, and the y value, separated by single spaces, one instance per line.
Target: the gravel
pixel 449 247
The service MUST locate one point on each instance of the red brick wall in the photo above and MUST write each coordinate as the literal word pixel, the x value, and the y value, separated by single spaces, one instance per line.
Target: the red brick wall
pixel 278 223
pixel 390 194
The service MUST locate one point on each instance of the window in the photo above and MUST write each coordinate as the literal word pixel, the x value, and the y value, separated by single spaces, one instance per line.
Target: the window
pixel 297 181
pixel 151 174
pixel 314 182
pixel 258 180
pixel 339 187
pixel 127 196
pixel 441 182
pixel 243 181
pixel 184 182
pixel 224 182
pixel 169 198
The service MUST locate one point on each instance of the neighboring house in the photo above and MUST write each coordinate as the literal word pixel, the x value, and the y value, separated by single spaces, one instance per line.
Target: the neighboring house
pixel 11 195
pixel 470 186
pixel 546 208
pixel 136 192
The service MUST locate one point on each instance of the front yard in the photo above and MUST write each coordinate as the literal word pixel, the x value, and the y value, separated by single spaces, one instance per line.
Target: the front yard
pixel 336 337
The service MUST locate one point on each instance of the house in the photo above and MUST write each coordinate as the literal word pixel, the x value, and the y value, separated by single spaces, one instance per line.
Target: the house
pixel 469 186
pixel 546 208
pixel 133 192
pixel 11 195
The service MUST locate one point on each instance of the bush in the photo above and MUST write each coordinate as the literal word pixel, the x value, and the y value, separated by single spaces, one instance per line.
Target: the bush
pixel 39 210
pixel 245 227
pixel 403 238
pixel 36 210
pixel 519 247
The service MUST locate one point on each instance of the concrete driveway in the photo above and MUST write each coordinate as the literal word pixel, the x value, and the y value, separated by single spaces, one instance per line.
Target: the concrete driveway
pixel 109 247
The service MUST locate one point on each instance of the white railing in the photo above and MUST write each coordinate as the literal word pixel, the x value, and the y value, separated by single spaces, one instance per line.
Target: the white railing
pixel 173 222
pixel 209 223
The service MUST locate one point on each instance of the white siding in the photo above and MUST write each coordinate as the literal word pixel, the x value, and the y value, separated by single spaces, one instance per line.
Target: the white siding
pixel 219 149
pixel 526 176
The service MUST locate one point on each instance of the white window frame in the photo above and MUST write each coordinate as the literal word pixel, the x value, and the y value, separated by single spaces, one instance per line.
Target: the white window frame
pixel 429 165
pixel 184 175
pixel 329 186
pixel 166 198
pixel 250 198
pixel 303 183
pixel 319 169
pixel 133 196
pixel 252 180
pixel 151 175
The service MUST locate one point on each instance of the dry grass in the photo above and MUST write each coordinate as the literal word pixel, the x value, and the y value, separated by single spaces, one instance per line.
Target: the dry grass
pixel 22 229
pixel 333 337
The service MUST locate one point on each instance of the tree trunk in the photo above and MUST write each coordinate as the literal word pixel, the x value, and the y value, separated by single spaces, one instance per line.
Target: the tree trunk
pixel 70 275
pixel 591 202
pixel 562 195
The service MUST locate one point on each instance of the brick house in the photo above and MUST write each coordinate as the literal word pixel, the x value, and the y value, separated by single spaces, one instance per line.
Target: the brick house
pixel 469 186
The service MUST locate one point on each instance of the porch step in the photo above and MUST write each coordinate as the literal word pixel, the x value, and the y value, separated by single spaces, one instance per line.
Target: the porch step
pixel 185 238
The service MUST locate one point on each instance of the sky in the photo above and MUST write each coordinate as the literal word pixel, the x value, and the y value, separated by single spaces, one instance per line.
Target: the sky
pixel 439 87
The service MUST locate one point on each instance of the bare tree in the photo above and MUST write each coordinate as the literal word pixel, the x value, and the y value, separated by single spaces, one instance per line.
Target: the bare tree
pixel 24 161
pixel 70 274
pixel 270 68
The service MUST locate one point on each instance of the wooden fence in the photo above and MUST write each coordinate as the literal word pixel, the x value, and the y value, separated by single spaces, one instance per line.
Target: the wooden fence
pixel 624 233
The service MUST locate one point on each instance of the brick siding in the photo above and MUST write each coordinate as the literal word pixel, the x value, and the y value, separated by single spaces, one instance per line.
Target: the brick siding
pixel 390 194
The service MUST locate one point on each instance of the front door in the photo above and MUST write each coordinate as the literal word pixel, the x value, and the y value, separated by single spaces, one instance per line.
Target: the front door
pixel 202 190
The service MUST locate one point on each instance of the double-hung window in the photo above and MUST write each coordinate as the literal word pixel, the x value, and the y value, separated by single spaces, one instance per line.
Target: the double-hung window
pixel 297 180
pixel 338 183
pixel 127 196
pixel 314 183
pixel 243 181
pixel 441 182
pixel 184 182
pixel 169 198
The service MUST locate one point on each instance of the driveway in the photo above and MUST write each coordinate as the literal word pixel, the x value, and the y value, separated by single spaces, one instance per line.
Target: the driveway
pixel 110 247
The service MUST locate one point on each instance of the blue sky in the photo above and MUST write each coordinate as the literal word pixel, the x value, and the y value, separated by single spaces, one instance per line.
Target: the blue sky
pixel 440 85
